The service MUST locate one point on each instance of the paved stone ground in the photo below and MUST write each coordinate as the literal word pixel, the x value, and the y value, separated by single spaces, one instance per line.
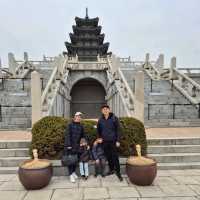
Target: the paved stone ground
pixel 169 185
pixel 151 133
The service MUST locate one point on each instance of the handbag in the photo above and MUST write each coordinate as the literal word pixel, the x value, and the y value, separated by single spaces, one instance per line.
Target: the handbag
pixel 69 159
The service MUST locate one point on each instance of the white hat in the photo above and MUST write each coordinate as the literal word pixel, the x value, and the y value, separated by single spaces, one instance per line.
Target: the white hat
pixel 78 113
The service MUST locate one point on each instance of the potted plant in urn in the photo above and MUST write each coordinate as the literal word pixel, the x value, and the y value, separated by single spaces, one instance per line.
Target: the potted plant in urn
pixel 141 170
pixel 36 173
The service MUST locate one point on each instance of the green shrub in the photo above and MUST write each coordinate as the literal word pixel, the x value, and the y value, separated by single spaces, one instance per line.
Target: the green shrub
pixel 133 132
pixel 48 135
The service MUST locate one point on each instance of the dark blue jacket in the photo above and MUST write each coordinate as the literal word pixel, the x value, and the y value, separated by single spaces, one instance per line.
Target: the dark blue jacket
pixel 109 129
pixel 73 134
pixel 84 154
pixel 98 152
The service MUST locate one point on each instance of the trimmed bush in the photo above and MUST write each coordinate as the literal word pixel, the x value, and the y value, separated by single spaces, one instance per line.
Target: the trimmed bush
pixel 133 132
pixel 48 135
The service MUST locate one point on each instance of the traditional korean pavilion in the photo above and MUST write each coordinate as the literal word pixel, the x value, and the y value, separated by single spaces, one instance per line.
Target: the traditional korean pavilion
pixel 87 41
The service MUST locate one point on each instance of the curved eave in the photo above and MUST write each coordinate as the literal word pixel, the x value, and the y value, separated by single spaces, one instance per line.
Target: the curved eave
pixel 101 48
pixel 74 38
pixel 104 47
pixel 78 30
pixel 70 48
pixel 87 21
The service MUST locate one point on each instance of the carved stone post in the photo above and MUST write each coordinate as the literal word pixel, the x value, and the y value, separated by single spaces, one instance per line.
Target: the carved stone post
pixel 0 68
pixel 172 67
pixel 146 62
pixel 139 96
pixel 12 63
pixel 36 97
pixel 161 61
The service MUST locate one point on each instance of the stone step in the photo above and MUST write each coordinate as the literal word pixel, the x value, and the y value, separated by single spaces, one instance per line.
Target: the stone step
pixel 178 166
pixel 59 170
pixel 14 144
pixel 12 161
pixel 19 152
pixel 174 141
pixel 153 149
pixel 176 157
pixel 162 124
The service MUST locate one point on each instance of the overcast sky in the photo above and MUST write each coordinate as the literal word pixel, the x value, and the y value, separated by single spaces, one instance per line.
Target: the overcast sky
pixel 133 27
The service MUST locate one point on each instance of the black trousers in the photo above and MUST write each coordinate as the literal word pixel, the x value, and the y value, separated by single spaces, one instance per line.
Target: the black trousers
pixel 112 156
pixel 72 169
pixel 100 167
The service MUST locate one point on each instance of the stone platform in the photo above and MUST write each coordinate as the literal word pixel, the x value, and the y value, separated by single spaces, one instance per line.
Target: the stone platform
pixel 152 133
pixel 173 148
pixel 169 185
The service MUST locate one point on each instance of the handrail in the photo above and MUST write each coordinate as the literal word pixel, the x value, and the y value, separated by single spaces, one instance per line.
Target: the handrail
pixel 54 80
pixel 122 84
pixel 188 78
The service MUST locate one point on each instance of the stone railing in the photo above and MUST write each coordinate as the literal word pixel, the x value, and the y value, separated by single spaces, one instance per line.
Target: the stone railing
pixel 115 74
pixel 19 69
pixel 187 86
pixel 100 64
pixel 59 74
pixel 23 69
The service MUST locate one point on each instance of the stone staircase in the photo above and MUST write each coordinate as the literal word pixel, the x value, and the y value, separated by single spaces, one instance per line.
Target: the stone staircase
pixel 12 153
pixel 181 153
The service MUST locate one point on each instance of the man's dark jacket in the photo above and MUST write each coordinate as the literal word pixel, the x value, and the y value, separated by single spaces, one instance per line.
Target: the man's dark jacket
pixel 73 134
pixel 109 129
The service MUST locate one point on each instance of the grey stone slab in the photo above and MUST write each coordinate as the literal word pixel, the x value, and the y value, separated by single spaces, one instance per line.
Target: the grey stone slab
pixel 197 178
pixel 170 198
pixel 66 194
pixel 165 180
pixel 191 172
pixel 123 192
pixel 90 182
pixel 150 191
pixel 163 173
pixel 11 186
pixel 185 180
pixel 39 194
pixel 61 183
pixel 6 177
pixel 177 190
pixel 12 195
pixel 96 193
pixel 111 181
pixel 195 188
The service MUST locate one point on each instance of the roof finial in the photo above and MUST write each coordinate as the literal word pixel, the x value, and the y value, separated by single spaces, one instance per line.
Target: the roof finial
pixel 86 16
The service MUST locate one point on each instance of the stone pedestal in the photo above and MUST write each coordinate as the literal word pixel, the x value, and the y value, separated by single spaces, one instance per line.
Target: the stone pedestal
pixel 36 97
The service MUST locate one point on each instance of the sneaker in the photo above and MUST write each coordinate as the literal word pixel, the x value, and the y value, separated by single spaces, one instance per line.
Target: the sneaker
pixel 72 179
pixel 86 177
pixel 83 176
pixel 74 175
pixel 120 177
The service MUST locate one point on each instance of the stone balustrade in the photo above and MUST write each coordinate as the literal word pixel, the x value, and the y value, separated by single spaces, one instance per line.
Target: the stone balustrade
pixel 59 74
pixel 187 86
pixel 123 88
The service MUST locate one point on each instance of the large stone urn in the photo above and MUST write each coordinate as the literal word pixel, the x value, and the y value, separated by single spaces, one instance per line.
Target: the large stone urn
pixel 141 170
pixel 36 173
